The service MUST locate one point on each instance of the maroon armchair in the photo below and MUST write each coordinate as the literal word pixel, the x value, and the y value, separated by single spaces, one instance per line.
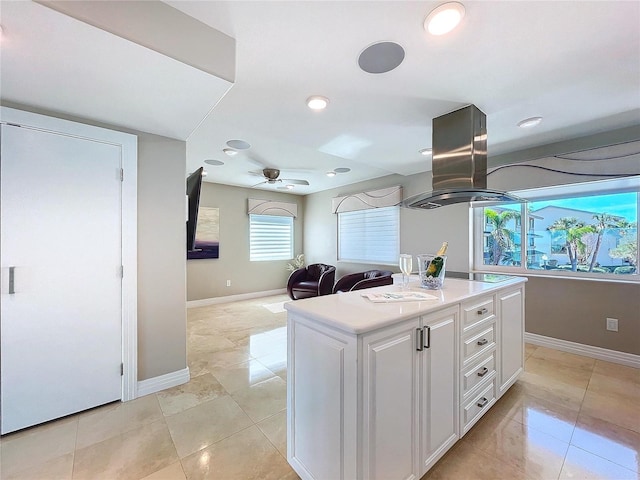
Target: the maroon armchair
pixel 311 281
pixel 360 280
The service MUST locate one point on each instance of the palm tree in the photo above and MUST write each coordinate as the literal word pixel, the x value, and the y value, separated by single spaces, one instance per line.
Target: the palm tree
pixel 574 231
pixel 603 222
pixel 502 237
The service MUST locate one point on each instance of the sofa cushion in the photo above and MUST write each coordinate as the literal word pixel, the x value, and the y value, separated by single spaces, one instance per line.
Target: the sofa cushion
pixel 307 286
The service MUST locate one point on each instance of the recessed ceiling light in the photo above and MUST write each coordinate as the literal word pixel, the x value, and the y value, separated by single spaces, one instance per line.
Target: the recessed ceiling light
pixel 529 122
pixel 317 102
pixel 215 163
pixel 230 151
pixel 331 174
pixel 444 18
pixel 239 144
pixel 425 151
pixel 342 170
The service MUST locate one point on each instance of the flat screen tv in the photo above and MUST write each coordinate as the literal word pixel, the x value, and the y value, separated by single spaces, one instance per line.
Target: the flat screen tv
pixel 194 185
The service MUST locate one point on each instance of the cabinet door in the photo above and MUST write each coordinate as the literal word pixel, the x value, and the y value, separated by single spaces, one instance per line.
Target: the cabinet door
pixel 390 402
pixel 439 389
pixel 511 311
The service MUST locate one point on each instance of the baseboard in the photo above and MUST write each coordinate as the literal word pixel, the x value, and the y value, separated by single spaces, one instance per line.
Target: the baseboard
pixel 233 298
pixel 613 356
pixel 162 382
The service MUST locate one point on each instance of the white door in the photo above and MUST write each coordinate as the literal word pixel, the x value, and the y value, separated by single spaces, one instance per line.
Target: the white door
pixel 61 244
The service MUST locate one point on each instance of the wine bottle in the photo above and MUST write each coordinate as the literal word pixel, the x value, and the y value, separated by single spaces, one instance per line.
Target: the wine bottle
pixel 435 267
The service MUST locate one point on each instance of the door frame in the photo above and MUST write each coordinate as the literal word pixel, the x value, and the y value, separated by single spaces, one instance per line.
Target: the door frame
pixel 128 145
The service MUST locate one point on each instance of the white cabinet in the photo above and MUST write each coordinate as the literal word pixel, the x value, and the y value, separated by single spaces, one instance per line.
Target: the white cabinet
pixel 511 311
pixel 383 391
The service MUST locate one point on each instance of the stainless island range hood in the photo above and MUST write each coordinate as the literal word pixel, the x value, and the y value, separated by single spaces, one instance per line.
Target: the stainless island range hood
pixel 459 165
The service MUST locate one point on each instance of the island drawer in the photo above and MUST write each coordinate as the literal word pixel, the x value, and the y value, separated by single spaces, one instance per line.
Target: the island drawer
pixel 478 406
pixel 475 344
pixel 476 312
pixel 481 371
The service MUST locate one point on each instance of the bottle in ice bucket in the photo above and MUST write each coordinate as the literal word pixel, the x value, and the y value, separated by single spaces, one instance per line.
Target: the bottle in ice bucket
pixel 432 268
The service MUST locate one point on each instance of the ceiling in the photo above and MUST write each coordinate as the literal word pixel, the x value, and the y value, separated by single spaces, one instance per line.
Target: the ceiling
pixel 575 63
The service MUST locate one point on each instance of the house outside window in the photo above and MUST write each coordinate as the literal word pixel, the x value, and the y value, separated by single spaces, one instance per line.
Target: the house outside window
pixel 586 233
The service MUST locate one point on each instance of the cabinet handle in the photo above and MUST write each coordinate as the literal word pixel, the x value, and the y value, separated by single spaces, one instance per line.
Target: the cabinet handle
pixel 483 402
pixel 419 339
pixel 12 283
pixel 428 345
pixel 483 372
pixel 484 341
pixel 482 311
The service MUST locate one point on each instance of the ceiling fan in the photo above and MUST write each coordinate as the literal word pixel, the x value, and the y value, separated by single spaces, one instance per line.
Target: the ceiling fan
pixel 272 176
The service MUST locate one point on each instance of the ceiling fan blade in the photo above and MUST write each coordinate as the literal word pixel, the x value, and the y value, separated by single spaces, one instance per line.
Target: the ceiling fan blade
pixel 257 173
pixel 295 181
pixel 266 181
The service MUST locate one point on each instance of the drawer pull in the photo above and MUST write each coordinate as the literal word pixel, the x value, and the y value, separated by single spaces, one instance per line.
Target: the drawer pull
pixel 482 311
pixel 483 372
pixel 484 341
pixel 483 402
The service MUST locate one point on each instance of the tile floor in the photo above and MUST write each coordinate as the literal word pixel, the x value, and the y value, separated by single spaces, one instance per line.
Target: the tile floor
pixel 567 417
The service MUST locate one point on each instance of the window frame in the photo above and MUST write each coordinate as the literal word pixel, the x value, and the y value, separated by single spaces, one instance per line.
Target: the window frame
pixel 290 255
pixel 603 187
pixel 396 209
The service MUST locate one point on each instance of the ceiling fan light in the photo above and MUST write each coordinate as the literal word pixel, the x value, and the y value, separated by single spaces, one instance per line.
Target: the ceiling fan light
pixel 317 102
pixel 529 122
pixel 444 18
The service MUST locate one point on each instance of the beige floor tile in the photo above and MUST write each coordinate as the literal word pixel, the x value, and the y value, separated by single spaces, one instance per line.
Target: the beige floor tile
pixel 537 454
pixel 172 472
pixel 263 399
pixel 565 358
pixel 200 426
pixel 609 441
pixel 225 358
pixel 58 468
pixel 227 459
pixel 276 362
pixel 614 370
pixel 616 409
pixel 111 420
pixel 615 387
pixel 37 446
pixel 464 462
pixel 529 349
pixel 198 343
pixel 198 390
pixel 546 388
pixel 561 372
pixel 587 466
pixel 543 415
pixel 132 455
pixel 242 375
pixel 275 429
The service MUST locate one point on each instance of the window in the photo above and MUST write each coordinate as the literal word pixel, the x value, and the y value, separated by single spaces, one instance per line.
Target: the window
pixel 270 238
pixel 369 236
pixel 579 230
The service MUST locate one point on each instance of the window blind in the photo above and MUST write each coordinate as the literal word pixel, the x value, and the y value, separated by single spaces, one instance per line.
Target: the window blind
pixel 369 236
pixel 270 238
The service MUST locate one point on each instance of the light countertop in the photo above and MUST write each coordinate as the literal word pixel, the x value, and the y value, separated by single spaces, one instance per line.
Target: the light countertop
pixel 353 313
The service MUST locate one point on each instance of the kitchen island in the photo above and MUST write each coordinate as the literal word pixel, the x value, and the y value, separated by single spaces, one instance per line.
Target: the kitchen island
pixel 383 390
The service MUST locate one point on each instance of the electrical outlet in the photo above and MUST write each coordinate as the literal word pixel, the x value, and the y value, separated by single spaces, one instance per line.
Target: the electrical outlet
pixel 612 324
pixel 228 283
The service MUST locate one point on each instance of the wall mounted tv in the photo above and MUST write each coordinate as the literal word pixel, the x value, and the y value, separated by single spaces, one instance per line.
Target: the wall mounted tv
pixel 202 222
pixel 194 185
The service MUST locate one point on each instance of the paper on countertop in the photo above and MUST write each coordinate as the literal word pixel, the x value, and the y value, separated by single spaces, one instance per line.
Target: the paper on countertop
pixel 388 297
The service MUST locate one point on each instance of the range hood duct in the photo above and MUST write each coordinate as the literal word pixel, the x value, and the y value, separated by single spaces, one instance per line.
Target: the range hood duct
pixel 459 165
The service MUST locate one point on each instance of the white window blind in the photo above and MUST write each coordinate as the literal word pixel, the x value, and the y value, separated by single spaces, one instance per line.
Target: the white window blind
pixel 369 236
pixel 270 238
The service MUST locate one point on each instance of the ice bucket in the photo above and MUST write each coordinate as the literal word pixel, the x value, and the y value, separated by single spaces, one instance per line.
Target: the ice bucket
pixel 431 269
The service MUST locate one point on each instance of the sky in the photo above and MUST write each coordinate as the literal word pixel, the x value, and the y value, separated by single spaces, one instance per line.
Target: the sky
pixel 621 204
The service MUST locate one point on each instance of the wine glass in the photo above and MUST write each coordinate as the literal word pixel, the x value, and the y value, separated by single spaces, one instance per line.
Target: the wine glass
pixel 406 265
